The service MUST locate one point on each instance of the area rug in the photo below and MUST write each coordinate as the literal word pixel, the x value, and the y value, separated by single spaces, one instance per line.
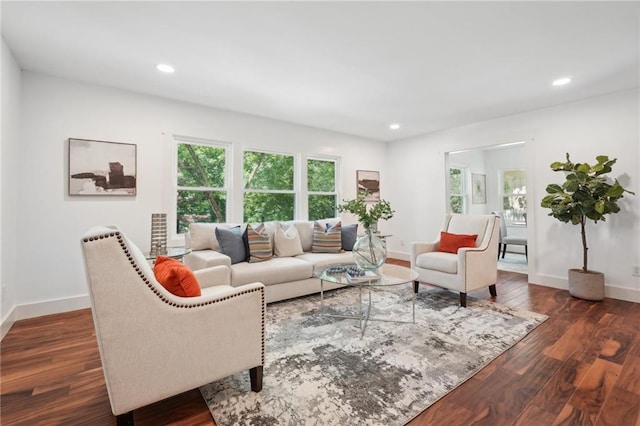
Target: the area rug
pixel 321 370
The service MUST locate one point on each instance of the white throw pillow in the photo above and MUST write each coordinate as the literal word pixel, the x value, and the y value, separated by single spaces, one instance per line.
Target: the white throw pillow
pixel 287 242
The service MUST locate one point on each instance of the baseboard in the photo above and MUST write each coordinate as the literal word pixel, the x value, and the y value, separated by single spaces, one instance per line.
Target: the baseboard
pixel 7 322
pixel 398 255
pixel 611 291
pixel 49 307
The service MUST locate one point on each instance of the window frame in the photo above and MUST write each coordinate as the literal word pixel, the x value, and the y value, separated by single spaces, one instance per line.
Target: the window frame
pixel 503 195
pixel 226 188
pixel 465 186
pixel 296 180
pixel 336 182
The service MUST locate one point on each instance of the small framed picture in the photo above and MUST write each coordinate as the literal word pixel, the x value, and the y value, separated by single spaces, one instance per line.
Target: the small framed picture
pixel 369 184
pixel 478 188
pixel 101 168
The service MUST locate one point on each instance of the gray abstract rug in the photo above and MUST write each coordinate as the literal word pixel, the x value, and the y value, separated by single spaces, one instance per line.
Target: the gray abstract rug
pixel 320 371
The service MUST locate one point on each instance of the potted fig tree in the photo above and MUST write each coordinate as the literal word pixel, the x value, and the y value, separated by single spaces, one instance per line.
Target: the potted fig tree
pixel 586 194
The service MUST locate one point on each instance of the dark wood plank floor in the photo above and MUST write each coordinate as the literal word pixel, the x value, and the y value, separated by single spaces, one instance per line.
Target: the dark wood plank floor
pixel 581 367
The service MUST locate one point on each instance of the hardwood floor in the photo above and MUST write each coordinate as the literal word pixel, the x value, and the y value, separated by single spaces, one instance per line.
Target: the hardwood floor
pixel 580 367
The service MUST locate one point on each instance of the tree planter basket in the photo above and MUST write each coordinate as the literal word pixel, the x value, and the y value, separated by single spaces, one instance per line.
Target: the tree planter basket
pixel 586 285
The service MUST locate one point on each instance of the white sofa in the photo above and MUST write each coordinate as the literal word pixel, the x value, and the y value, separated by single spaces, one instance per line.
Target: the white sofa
pixel 283 277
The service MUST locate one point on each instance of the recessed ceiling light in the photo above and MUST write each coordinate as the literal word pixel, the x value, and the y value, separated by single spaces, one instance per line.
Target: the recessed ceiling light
pixel 394 126
pixel 561 81
pixel 165 68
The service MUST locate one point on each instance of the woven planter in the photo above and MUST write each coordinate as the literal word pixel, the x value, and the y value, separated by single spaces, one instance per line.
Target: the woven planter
pixel 586 285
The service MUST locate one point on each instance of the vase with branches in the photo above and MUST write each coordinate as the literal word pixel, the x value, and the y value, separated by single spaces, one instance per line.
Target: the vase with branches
pixel 369 251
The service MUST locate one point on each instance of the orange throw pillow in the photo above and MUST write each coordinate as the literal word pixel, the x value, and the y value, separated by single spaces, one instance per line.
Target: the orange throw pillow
pixel 450 243
pixel 176 277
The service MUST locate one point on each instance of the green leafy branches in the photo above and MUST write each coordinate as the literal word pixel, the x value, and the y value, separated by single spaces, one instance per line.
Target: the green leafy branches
pixel 587 193
pixel 367 214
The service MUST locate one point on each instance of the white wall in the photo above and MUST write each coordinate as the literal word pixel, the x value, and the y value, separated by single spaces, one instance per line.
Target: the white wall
pixel 606 125
pixel 9 178
pixel 51 222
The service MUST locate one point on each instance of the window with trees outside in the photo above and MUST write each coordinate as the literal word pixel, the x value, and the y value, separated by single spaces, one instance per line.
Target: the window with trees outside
pixel 456 189
pixel 514 196
pixel 201 183
pixel 269 192
pixel 321 188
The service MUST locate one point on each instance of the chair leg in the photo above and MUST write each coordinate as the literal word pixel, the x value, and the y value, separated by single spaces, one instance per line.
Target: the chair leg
pixel 463 300
pixel 499 248
pixel 526 253
pixel 416 284
pixel 504 250
pixel 125 419
pixel 492 290
pixel 255 375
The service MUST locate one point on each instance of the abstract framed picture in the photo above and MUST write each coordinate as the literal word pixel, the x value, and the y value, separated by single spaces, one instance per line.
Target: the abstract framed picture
pixel 369 184
pixel 478 189
pixel 101 168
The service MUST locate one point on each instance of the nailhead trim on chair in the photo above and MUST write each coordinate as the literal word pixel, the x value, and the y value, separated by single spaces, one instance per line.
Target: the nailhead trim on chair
pixel 146 280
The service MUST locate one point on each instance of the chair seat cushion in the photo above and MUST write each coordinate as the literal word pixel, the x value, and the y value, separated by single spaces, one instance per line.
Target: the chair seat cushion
pixel 438 261
pixel 176 277
pixel 519 241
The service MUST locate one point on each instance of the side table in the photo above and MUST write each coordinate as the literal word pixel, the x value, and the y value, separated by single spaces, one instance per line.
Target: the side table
pixel 172 252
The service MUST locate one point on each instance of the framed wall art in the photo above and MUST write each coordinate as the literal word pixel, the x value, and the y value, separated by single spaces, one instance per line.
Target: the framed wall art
pixel 101 168
pixel 478 189
pixel 369 183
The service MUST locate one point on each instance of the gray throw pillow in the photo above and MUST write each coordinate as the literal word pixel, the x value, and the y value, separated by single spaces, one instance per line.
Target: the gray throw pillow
pixel 231 243
pixel 349 236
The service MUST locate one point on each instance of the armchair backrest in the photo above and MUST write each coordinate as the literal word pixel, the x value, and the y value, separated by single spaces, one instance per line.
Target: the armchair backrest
pixel 482 225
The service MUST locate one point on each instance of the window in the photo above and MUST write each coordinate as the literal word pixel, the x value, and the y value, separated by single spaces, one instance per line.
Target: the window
pixel 201 183
pixel 321 188
pixel 456 189
pixel 268 186
pixel 514 196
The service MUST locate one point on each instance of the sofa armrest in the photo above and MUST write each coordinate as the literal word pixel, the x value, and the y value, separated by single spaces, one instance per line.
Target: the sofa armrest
pixel 201 259
pixel 213 276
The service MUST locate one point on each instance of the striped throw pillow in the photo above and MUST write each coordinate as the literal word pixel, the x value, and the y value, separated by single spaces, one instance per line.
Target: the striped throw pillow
pixel 260 248
pixel 329 241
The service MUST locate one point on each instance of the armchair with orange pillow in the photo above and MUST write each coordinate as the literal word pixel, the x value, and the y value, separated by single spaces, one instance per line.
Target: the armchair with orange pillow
pixel 463 259
pixel 158 339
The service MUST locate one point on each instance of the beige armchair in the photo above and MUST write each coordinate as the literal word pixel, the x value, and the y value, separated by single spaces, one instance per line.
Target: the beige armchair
pixel 153 344
pixel 471 268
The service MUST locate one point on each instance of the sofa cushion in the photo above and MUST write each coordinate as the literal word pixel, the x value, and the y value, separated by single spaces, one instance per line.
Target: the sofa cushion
pixel 438 261
pixel 287 242
pixel 259 242
pixel 203 236
pixel 451 243
pixel 176 277
pixel 277 270
pixel 323 259
pixel 327 241
pixel 231 243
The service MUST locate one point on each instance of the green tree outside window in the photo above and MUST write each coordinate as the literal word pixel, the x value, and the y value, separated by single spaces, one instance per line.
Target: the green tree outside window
pixel 321 187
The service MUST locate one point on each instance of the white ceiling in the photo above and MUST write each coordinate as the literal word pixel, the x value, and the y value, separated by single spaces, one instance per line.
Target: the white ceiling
pixel 351 67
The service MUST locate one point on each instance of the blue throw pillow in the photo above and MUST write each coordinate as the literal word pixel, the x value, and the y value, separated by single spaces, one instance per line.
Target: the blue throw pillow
pixel 349 236
pixel 231 243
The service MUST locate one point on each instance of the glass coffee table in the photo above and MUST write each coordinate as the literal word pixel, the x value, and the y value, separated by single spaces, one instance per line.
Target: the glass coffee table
pixel 387 275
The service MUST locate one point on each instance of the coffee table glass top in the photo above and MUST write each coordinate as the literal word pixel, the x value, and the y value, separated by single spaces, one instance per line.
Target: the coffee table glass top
pixel 386 275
